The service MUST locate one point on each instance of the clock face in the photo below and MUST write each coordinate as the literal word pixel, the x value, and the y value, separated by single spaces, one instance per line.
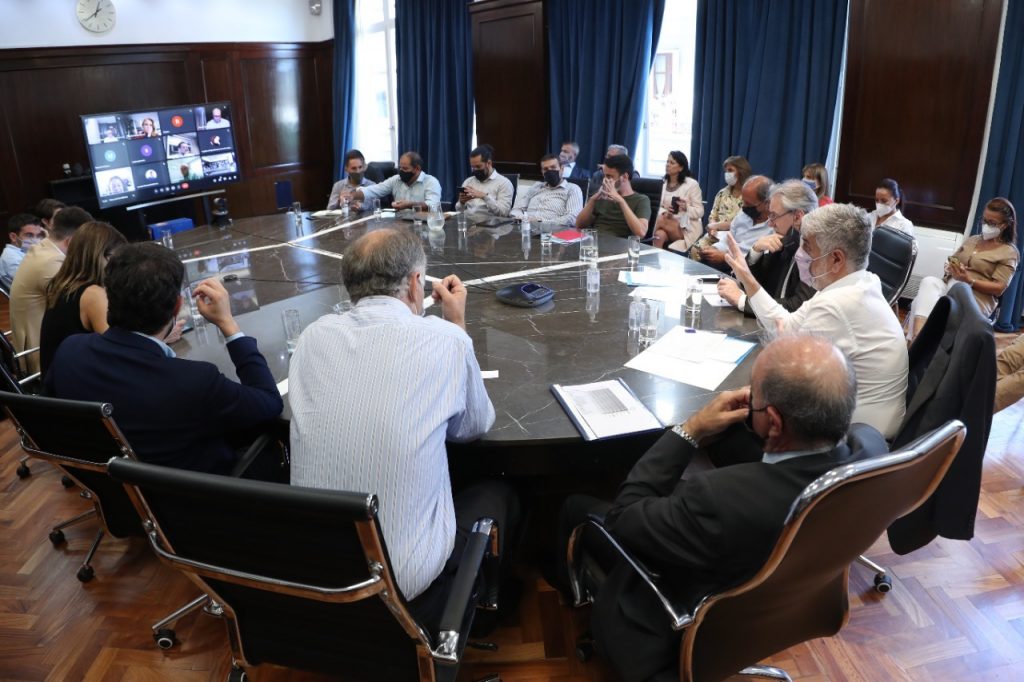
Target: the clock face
pixel 97 16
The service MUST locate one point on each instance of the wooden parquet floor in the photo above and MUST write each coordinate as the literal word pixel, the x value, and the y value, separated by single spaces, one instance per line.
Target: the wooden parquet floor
pixel 956 611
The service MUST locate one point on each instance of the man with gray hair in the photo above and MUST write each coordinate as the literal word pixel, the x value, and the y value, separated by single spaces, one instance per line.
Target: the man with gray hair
pixel 771 257
pixel 374 395
pixel 848 308
pixel 715 528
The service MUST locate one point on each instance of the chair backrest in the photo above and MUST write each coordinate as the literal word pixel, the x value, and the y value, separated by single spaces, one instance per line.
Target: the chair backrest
pixel 514 179
pixel 283 194
pixel 303 574
pixel 379 171
pixel 801 591
pixel 892 258
pixel 80 438
pixel 652 188
pixel 583 184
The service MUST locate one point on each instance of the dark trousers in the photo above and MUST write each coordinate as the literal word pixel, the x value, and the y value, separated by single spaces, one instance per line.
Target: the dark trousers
pixel 487 499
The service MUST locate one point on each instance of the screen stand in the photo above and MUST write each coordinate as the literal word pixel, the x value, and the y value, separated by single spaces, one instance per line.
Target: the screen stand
pixel 140 208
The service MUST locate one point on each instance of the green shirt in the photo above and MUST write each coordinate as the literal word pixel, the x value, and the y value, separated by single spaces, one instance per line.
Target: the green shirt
pixel 608 214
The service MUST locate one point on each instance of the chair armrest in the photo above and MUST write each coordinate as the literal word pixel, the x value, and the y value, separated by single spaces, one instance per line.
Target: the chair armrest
pixel 258 446
pixel 448 645
pixel 680 616
pixel 27 351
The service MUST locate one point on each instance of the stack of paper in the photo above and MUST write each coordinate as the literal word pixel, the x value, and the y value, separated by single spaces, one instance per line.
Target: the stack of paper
pixel 605 409
pixel 689 356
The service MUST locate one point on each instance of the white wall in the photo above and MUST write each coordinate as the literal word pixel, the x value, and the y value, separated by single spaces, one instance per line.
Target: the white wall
pixel 53 23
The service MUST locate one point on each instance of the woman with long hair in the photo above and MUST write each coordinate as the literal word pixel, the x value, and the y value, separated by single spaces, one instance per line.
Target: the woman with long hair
pixel 682 206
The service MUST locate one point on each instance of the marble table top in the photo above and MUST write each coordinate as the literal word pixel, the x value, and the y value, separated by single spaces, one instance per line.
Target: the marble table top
pixel 578 337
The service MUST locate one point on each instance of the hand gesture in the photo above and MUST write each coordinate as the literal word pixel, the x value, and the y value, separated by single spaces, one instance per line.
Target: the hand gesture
pixel 473 193
pixel 175 333
pixel 736 260
pixel 451 294
pixel 729 290
pixel 214 304
pixel 724 410
pixel 771 242
pixel 608 188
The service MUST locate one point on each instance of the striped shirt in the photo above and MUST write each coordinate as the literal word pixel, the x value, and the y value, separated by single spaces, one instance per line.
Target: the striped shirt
pixel 374 394
pixel 560 204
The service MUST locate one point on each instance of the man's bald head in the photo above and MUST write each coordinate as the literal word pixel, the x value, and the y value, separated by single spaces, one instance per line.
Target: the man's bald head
pixel 755 189
pixel 380 263
pixel 811 384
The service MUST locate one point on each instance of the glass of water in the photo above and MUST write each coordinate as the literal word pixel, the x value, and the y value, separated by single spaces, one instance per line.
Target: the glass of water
pixel 545 233
pixel 167 238
pixel 292 328
pixel 636 313
pixel 593 279
pixel 633 249
pixel 649 321
pixel 694 296
pixel 375 205
pixel 588 246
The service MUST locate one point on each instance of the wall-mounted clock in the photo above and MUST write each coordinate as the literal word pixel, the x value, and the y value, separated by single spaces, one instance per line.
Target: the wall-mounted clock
pixel 98 16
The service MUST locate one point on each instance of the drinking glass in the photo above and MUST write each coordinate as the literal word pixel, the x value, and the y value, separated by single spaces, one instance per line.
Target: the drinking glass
pixel 167 238
pixel 649 321
pixel 545 233
pixel 297 212
pixel 588 246
pixel 435 218
pixel 375 205
pixel 292 328
pixel 636 313
pixel 694 296
pixel 461 221
pixel 593 279
pixel 633 249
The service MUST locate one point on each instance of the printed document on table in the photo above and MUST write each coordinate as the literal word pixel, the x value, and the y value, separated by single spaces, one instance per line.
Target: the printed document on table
pixel 605 409
pixel 697 358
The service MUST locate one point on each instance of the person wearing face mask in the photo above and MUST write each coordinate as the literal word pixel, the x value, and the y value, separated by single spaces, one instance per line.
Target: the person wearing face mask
pixel 749 225
pixel 24 231
pixel 729 200
pixel 714 528
pixel 616 207
pixel 985 262
pixel 556 200
pixel 848 308
pixel 410 189
pixel 771 258
pixel 486 192
pixel 395 445
pixel 682 206
pixel 815 176
pixel 355 169
pixel 889 203
pixel 175 412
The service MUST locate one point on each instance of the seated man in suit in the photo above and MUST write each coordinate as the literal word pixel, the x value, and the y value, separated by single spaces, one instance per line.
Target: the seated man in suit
pixel 486 192
pixel 714 528
pixel 174 412
pixel 556 200
pixel 771 257
pixel 410 189
pixel 355 171
pixel 616 208
pixel 567 156
pixel 376 392
pixel 749 225
pixel 28 292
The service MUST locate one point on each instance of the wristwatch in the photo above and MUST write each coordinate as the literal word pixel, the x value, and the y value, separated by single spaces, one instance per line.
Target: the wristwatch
pixel 681 432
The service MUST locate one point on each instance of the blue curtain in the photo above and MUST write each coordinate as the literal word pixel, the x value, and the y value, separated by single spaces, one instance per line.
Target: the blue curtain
pixel 599 55
pixel 343 88
pixel 1003 175
pixel 435 86
pixel 765 84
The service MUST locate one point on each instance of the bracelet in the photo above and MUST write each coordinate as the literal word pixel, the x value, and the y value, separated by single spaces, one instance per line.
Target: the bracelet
pixel 681 432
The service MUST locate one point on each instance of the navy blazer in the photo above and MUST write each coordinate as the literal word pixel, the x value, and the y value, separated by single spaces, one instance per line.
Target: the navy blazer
pixel 174 412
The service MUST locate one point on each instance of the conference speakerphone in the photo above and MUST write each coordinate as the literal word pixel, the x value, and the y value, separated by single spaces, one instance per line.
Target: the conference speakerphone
pixel 525 295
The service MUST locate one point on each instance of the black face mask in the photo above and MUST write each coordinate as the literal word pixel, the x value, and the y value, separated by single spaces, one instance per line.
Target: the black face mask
pixel 553 177
pixel 406 176
pixel 481 174
pixel 749 424
pixel 752 212
pixel 356 178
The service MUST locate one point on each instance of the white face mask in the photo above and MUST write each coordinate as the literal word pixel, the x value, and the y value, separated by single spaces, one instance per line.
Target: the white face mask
pixel 730 178
pixel 883 209
pixel 990 231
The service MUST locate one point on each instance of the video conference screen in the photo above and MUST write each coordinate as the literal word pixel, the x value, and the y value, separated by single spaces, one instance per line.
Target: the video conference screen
pixel 150 154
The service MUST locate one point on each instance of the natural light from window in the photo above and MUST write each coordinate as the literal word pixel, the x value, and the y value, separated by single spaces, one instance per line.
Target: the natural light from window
pixel 375 122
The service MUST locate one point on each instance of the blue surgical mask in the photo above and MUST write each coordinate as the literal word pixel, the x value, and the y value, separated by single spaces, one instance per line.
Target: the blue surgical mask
pixel 28 243
pixel 810 183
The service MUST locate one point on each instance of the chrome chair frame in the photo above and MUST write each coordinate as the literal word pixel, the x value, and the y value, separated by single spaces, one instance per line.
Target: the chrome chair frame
pixel 683 617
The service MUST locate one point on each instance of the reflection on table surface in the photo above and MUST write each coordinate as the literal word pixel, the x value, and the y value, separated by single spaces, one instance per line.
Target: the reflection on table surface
pixel 274 264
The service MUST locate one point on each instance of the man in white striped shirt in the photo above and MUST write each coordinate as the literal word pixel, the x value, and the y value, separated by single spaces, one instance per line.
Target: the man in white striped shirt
pixel 375 393
pixel 556 200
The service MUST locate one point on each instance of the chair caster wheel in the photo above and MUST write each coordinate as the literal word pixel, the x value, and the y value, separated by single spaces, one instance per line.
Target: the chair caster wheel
pixel 883 583
pixel 67 482
pixel 164 638
pixel 57 538
pixel 23 471
pixel 584 651
pixel 85 574
pixel 237 675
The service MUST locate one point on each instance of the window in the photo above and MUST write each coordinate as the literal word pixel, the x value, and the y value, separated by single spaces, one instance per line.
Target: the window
pixel 375 123
pixel 668 111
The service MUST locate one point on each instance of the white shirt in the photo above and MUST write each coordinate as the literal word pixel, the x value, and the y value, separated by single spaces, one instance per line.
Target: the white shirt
pixel 854 315
pixel 497 191
pixel 896 219
pixel 560 204
pixel 374 393
pixel 10 259
pixel 744 231
pixel 567 169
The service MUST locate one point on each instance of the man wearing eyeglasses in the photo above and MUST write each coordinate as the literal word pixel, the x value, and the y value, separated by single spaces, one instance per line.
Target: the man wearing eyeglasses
pixel 771 257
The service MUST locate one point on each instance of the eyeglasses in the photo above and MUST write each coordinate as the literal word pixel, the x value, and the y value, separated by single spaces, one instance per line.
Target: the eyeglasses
pixel 772 217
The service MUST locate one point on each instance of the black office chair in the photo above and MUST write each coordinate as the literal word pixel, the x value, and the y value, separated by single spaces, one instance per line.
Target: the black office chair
pixel 14 379
pixel 302 575
pixel 801 591
pixel 583 184
pixel 892 258
pixel 379 171
pixel 652 188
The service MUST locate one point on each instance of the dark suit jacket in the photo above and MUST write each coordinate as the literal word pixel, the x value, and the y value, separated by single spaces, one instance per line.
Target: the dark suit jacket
pixel 952 376
pixel 579 171
pixel 174 412
pixel 709 531
pixel 779 276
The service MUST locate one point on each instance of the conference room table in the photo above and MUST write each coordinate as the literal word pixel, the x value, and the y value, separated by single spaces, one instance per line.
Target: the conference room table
pixel 274 263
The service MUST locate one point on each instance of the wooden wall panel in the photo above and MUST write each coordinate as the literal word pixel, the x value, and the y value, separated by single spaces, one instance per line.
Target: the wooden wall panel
pixel 917 93
pixel 281 95
pixel 510 82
